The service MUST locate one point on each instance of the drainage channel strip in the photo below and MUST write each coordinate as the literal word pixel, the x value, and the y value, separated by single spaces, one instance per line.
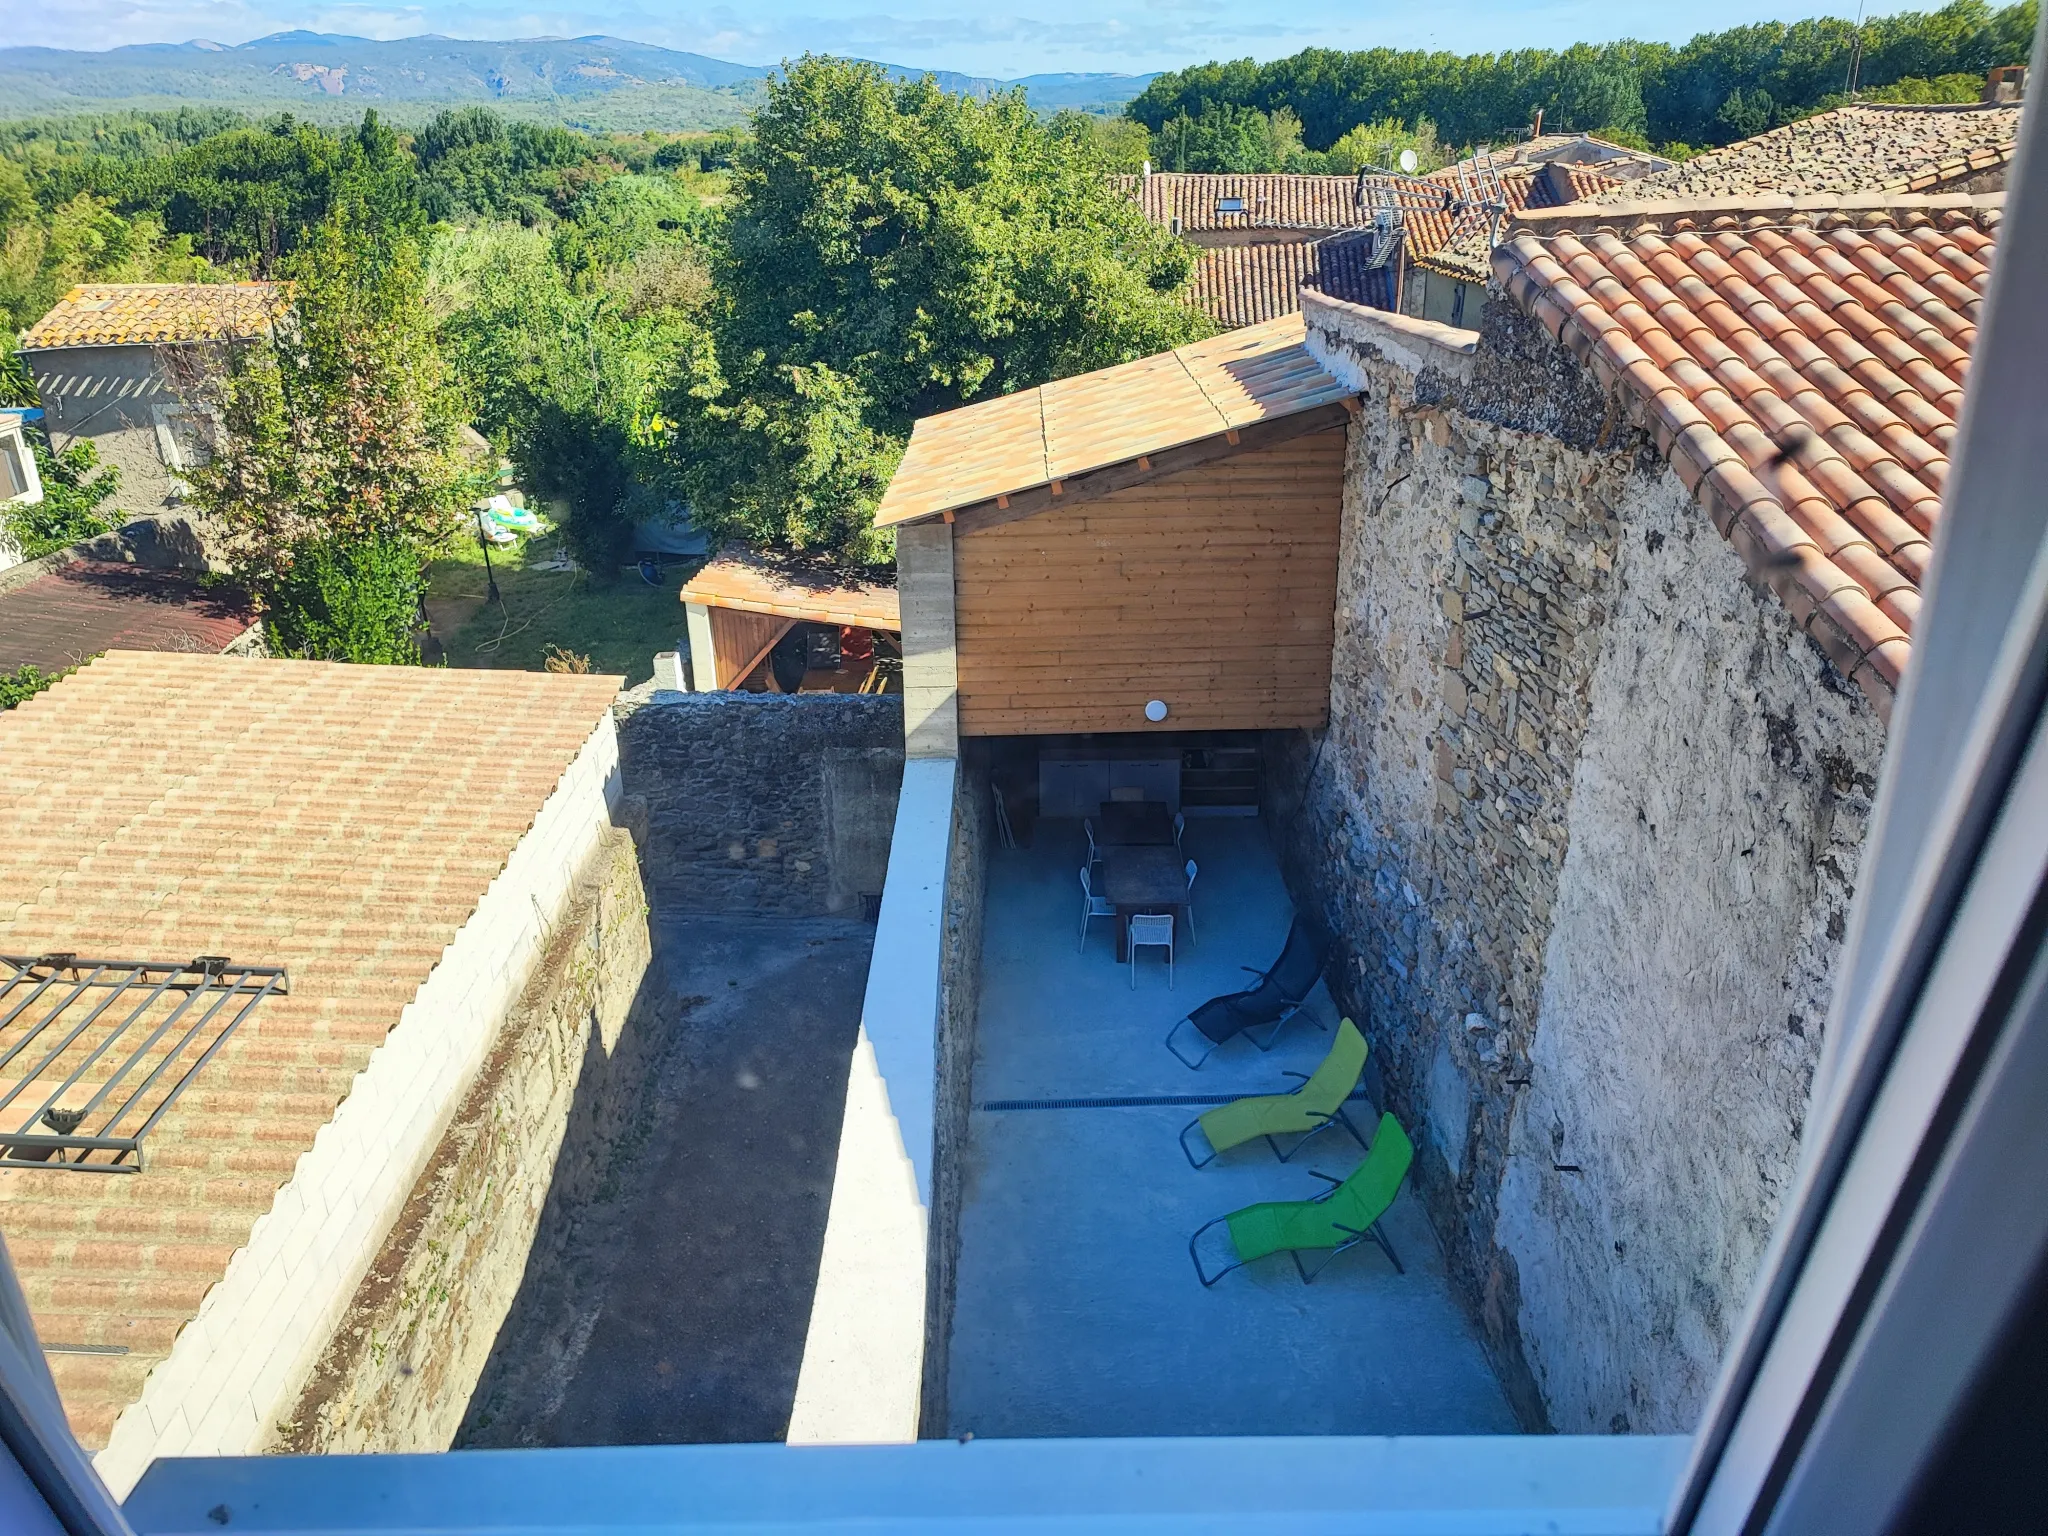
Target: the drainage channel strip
pixel 1152 1101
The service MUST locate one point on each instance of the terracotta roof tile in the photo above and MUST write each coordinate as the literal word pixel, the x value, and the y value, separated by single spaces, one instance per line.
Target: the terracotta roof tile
pixel 142 314
pixel 1803 378
pixel 79 609
pixel 757 582
pixel 1861 148
pixel 1068 427
pixel 1203 202
pixel 342 821
pixel 1240 285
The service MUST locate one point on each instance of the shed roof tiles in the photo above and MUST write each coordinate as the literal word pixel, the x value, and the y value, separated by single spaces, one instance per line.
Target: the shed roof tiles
pixel 1803 376
pixel 1066 428
pixel 1861 148
pixel 148 314
pixel 342 821
pixel 756 581
pixel 75 610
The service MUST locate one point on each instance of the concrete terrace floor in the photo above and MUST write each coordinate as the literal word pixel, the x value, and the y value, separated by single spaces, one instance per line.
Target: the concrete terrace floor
pixel 1077 1310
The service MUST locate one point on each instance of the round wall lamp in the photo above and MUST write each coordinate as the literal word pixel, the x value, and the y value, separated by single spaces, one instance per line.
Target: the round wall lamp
pixel 1155 711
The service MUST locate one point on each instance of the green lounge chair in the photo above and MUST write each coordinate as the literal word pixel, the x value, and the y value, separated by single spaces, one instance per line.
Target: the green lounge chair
pixel 1315 1106
pixel 1341 1217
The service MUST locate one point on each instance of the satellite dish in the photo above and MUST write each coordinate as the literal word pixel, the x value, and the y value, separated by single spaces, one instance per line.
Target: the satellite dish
pixel 1409 162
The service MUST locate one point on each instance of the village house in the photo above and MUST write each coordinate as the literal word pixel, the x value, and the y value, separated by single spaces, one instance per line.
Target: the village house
pixel 105 363
pixel 1559 654
pixel 1263 238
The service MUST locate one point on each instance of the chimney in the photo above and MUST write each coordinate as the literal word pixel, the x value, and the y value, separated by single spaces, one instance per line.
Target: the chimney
pixel 2005 85
pixel 1148 170
pixel 1536 128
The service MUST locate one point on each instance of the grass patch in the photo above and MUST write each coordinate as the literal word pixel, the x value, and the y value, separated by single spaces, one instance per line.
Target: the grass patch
pixel 619 627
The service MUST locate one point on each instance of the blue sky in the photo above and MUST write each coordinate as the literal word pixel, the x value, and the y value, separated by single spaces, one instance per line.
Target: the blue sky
pixel 988 37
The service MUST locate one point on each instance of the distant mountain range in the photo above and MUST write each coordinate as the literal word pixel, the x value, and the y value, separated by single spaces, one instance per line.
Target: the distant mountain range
pixel 592 81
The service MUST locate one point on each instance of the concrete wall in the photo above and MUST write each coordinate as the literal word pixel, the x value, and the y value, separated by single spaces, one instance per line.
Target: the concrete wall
pixel 1586 819
pixel 959 1011
pixel 765 802
pixel 561 1087
pixel 232 1381
pixel 862 1378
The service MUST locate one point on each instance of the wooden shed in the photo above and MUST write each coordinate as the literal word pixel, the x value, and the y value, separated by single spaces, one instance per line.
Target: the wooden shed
pixel 1162 533
pixel 745 604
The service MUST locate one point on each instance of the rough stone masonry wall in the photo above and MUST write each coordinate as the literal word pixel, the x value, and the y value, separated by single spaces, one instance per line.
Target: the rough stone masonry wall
pixel 1603 1032
pixel 765 803
pixel 959 1009
pixel 560 1088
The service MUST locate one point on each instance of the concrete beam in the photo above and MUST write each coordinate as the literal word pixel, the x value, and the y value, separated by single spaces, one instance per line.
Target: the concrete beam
pixel 703 650
pixel 931 672
pixel 862 1376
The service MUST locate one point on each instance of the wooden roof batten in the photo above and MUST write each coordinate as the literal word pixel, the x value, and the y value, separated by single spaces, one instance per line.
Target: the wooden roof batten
pixel 1081 438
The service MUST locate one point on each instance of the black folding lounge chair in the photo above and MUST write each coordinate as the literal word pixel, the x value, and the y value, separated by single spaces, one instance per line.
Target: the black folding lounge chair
pixel 1276 999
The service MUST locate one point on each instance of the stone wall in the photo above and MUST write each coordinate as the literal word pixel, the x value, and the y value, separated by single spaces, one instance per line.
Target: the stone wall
pixel 558 1091
pixel 953 1089
pixel 1586 819
pixel 765 803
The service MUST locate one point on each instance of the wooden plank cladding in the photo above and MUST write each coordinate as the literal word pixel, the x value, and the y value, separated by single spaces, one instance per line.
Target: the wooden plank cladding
pixel 1214 589
pixel 741 640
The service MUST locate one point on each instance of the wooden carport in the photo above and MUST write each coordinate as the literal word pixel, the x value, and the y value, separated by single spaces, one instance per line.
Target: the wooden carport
pixel 744 602
pixel 1165 530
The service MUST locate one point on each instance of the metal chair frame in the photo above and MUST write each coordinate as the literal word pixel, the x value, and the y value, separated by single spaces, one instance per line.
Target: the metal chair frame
pixel 1372 1232
pixel 1288 1155
pixel 1132 942
pixel 1092 906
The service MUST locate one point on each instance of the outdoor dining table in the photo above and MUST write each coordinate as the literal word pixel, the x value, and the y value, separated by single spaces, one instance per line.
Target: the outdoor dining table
pixel 1142 879
pixel 1133 823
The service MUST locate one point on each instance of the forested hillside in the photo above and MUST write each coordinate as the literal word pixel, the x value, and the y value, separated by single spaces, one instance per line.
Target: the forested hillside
pixel 602 83
pixel 1717 88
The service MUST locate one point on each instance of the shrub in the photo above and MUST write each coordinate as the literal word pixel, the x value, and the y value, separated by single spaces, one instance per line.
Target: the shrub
pixel 75 492
pixel 343 600
pixel 24 683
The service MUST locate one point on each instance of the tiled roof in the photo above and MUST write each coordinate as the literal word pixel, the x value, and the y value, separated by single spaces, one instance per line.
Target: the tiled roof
pixel 1802 374
pixel 78 610
pixel 1863 148
pixel 1065 428
pixel 1239 285
pixel 143 314
pixel 1434 241
pixel 1199 200
pixel 342 821
pixel 757 582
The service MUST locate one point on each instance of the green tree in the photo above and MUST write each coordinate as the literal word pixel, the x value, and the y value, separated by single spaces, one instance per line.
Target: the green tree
pixel 1707 92
pixel 1379 145
pixel 891 250
pixel 564 344
pixel 338 433
pixel 76 489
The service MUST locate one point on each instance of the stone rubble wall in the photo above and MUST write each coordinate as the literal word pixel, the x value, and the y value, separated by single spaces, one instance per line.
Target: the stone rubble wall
pixel 559 1092
pixel 959 1011
pixel 763 802
pixel 1601 1034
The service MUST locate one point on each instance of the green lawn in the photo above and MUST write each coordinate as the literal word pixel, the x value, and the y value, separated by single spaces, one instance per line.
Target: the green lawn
pixel 619 627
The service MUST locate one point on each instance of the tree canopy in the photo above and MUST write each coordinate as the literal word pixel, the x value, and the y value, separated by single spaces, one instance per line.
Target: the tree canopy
pixel 1719 87
pixel 892 250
